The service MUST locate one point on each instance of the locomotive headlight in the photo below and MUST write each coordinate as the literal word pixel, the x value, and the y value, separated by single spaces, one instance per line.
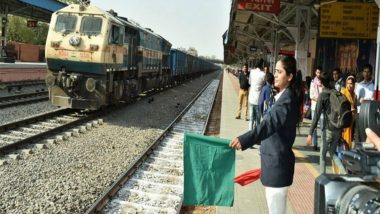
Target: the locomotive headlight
pixel 75 41
pixel 50 80
pixel 90 84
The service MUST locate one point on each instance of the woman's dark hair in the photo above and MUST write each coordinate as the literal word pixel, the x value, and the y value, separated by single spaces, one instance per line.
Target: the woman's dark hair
pixel 290 66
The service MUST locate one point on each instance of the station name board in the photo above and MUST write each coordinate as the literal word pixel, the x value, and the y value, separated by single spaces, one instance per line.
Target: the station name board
pixel 267 6
pixel 349 20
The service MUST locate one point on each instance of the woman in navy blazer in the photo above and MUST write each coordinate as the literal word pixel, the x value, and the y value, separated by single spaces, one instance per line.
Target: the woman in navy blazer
pixel 276 134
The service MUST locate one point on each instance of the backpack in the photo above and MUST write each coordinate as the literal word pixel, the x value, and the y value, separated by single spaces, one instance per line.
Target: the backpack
pixel 268 104
pixel 340 115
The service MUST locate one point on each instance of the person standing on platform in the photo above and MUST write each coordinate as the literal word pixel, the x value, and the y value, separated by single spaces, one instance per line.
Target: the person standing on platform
pixel 349 93
pixel 266 98
pixel 277 133
pixel 266 69
pixel 333 134
pixel 338 80
pixel 257 81
pixel 243 92
pixel 315 90
pixel 365 88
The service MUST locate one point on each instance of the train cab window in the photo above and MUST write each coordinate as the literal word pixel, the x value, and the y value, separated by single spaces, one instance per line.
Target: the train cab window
pixel 116 35
pixel 65 23
pixel 91 25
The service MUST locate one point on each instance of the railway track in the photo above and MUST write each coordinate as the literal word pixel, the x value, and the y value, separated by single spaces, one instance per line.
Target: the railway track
pixel 20 99
pixel 25 83
pixel 154 183
pixel 24 132
pixel 18 134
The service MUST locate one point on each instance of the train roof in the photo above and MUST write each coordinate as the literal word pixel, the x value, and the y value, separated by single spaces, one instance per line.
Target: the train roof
pixel 90 9
pixel 136 26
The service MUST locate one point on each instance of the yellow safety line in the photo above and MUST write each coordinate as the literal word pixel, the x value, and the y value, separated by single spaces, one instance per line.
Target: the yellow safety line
pixel 307 163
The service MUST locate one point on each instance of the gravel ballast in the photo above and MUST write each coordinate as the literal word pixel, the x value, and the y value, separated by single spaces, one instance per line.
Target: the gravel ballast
pixel 24 90
pixel 22 111
pixel 70 176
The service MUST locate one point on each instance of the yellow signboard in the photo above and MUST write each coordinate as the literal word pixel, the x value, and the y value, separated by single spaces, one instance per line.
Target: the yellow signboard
pixel 349 20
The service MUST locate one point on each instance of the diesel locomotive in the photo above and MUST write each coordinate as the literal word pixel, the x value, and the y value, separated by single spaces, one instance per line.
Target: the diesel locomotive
pixel 96 58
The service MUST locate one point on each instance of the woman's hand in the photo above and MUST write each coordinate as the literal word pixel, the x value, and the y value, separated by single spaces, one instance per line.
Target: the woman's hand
pixel 308 140
pixel 235 144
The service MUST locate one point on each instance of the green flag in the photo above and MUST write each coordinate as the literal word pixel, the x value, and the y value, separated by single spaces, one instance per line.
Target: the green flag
pixel 209 171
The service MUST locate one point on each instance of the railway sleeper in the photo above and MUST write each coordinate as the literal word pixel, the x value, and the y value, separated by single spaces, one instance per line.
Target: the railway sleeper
pixel 21 133
pixel 11 137
pixel 131 207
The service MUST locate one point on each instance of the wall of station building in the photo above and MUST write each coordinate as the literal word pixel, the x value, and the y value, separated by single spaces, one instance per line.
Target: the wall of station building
pixel 350 55
pixel 26 52
pixel 22 74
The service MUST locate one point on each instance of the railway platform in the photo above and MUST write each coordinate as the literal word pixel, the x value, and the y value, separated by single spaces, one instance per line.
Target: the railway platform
pixel 22 71
pixel 251 198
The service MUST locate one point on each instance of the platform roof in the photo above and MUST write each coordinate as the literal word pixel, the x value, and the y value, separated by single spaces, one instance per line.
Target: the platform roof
pixel 249 28
pixel 39 10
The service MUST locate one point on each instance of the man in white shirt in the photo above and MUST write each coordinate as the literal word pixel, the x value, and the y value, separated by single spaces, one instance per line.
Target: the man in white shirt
pixel 257 81
pixel 315 89
pixel 365 89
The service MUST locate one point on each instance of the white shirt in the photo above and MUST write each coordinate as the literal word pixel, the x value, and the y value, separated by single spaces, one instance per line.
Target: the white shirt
pixel 314 92
pixel 364 90
pixel 278 95
pixel 257 81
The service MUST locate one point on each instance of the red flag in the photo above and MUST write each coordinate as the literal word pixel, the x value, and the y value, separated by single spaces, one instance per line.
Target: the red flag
pixel 248 177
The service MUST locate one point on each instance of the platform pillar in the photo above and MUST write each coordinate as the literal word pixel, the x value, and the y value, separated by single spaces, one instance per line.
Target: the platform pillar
pixel 301 35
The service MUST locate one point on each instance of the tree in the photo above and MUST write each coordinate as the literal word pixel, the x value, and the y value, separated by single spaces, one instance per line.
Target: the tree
pixel 19 32
pixel 192 51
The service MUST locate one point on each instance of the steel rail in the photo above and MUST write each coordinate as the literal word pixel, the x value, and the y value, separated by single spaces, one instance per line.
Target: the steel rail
pixel 24 83
pixel 40 118
pixel 20 99
pixel 122 179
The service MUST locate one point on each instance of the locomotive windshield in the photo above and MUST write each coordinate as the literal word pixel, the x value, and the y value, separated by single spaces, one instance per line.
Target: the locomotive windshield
pixel 65 23
pixel 91 25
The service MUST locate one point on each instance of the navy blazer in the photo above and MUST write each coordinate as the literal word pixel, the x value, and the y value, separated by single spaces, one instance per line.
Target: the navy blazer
pixel 276 133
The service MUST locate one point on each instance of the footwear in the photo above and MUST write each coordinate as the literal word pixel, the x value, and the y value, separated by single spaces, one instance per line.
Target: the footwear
pixel 237 117
pixel 315 148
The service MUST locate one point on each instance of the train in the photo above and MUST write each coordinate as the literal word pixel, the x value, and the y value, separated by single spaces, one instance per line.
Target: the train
pixel 96 58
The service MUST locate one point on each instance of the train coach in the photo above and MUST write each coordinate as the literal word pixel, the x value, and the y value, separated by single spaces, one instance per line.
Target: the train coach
pixel 96 58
